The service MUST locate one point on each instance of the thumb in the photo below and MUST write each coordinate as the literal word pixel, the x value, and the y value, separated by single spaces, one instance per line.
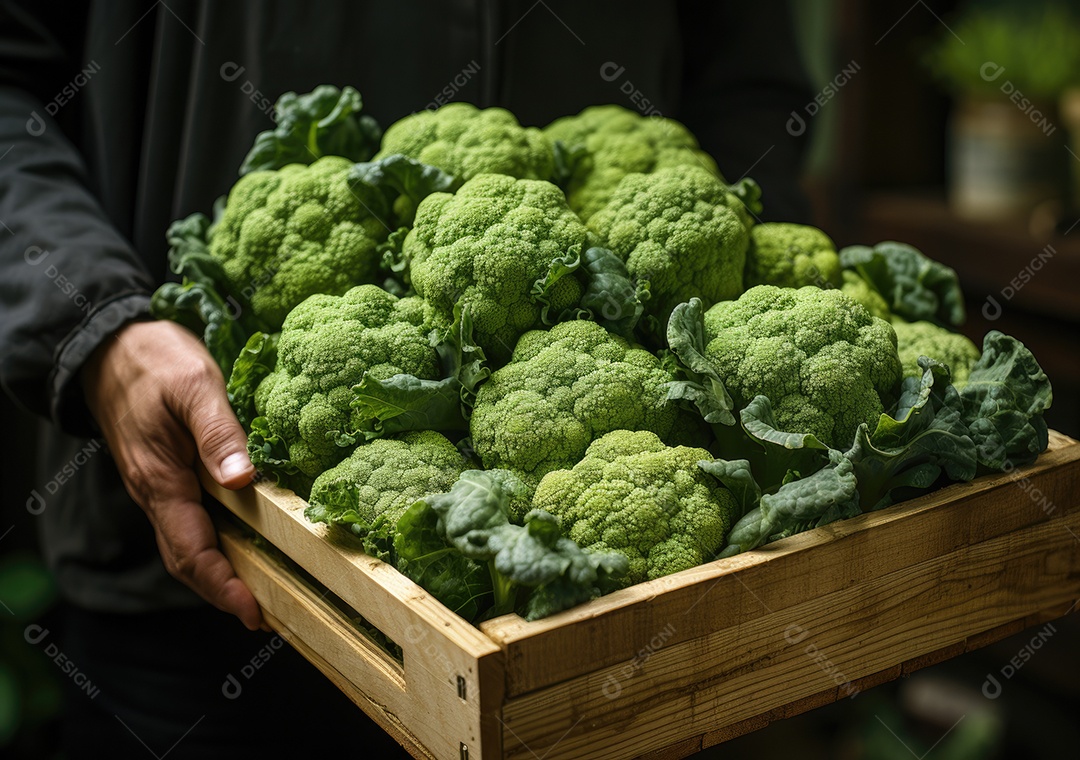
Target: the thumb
pixel 219 436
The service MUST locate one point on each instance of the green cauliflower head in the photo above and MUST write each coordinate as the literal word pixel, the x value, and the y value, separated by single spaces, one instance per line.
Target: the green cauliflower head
pixel 617 141
pixel 295 232
pixel 680 229
pixel 383 478
pixel 634 495
pixel 859 290
pixel 484 248
pixel 790 256
pixel 327 344
pixel 824 363
pixel 562 389
pixel 915 339
pixel 465 141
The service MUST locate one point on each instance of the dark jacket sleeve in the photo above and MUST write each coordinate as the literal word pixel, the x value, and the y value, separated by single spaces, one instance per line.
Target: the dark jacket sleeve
pixel 743 76
pixel 68 278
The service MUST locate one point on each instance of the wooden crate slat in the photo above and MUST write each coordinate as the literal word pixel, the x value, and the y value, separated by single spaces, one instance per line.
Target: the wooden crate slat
pixel 442 652
pixel 746 671
pixel 749 585
pixel 887 593
pixel 304 617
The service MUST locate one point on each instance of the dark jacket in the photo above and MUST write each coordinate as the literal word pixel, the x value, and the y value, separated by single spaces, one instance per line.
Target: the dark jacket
pixel 118 117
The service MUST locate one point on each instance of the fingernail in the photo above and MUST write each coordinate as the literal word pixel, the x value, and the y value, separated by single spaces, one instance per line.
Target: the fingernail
pixel 235 465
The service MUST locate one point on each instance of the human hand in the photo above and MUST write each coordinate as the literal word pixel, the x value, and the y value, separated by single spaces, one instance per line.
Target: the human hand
pixel 160 401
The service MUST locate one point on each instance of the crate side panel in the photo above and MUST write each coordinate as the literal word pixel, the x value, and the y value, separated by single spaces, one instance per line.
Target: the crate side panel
pixel 823 645
pixel 783 574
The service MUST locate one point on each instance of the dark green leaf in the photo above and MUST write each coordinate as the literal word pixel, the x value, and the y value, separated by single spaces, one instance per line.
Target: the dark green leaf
pixel 462 584
pixel 611 296
pixel 270 454
pixel 820 498
pixel 703 387
pixel 907 452
pixel 400 177
pixel 737 477
pixel 544 288
pixel 202 310
pixel 473 518
pixel 404 402
pixel 914 286
pixel 255 361
pixel 1003 404
pixel 323 122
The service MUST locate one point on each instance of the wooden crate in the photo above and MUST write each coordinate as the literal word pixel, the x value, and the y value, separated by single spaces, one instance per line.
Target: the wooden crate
pixel 670 666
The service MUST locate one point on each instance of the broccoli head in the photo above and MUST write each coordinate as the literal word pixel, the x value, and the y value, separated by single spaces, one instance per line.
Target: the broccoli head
pixel 915 339
pixel 562 389
pixel 615 141
pixel 381 479
pixel 790 256
pixel 327 345
pixel 634 495
pixel 485 247
pixel 295 232
pixel 465 141
pixel 682 230
pixel 821 359
pixel 859 290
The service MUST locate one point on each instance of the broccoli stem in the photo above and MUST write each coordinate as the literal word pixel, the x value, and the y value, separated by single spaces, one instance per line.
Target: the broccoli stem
pixel 505 592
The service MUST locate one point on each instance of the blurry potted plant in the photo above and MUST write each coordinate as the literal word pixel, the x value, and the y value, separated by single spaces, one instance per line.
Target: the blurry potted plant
pixel 1007 68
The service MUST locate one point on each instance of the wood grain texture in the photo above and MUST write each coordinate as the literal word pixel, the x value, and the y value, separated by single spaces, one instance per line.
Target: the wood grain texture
pixel 804 655
pixel 439 648
pixel 668 667
pixel 777 576
pixel 299 614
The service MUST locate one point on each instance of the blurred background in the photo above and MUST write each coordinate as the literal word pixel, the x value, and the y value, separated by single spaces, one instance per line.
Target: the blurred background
pixel 952 126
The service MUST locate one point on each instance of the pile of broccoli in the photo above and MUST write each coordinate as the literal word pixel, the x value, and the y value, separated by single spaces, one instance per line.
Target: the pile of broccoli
pixel 528 366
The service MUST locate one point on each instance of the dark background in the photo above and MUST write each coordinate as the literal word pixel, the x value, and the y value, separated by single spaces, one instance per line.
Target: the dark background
pixel 877 171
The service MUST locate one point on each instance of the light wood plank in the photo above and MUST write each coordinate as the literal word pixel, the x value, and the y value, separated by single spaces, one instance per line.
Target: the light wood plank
pixel 782 574
pixel 919 578
pixel 747 670
pixel 324 637
pixel 442 652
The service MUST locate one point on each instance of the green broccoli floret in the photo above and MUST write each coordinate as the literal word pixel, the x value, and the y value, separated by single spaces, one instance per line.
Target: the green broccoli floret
pixel 790 256
pixel 295 232
pixel 562 389
pixel 915 339
pixel 327 345
pixel 381 479
pixel 680 229
pixel 823 361
pixel 859 290
pixel 634 495
pixel 485 247
pixel 465 141
pixel 616 141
